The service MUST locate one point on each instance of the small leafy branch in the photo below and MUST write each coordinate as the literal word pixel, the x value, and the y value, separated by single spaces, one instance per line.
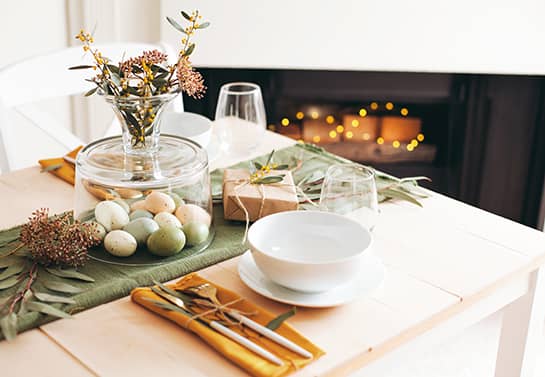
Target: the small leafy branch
pixel 146 76
pixel 261 173
pixel 33 270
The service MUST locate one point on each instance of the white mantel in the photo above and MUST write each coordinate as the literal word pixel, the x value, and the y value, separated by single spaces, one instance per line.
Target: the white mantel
pixel 463 36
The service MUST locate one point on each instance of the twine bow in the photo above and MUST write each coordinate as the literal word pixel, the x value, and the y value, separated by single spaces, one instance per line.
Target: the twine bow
pixel 214 308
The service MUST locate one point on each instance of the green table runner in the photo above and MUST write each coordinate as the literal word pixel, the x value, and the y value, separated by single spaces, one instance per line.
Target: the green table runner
pixel 113 281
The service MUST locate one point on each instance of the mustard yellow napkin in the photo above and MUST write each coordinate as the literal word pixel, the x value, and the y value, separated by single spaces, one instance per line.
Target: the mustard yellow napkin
pixel 238 354
pixel 62 168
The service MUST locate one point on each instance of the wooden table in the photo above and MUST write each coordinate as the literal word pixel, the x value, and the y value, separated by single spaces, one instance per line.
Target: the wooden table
pixel 449 265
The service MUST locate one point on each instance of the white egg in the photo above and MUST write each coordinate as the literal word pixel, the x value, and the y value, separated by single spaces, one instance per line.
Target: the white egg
pixel 191 212
pixel 120 243
pixel 111 215
pixel 167 219
pixel 139 204
pixel 159 202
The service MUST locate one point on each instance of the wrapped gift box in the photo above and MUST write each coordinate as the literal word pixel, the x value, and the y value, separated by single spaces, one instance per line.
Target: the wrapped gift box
pixel 259 199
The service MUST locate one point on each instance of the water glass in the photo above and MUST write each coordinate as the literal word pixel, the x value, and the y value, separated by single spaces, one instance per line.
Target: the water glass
pixel 240 118
pixel 350 190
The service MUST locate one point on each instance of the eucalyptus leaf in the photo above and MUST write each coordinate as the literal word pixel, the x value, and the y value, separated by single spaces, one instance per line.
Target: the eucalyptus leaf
pixel 189 50
pixel 182 296
pixel 46 297
pixel 257 165
pixel 59 286
pixel 8 325
pixel 269 159
pixel 91 92
pixel 113 68
pixel 282 167
pixel 9 282
pixel 70 274
pixel 270 179
pixel 9 260
pixel 185 15
pixel 277 322
pixel 46 309
pixel 13 269
pixel 397 194
pixel 81 67
pixel 167 306
pixel 175 25
pixel 51 168
pixel 204 25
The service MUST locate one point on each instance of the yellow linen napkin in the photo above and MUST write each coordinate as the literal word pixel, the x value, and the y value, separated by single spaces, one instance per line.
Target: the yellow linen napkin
pixel 238 354
pixel 62 168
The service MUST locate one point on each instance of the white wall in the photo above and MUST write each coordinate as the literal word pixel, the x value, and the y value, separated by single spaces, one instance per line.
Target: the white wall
pixel 490 36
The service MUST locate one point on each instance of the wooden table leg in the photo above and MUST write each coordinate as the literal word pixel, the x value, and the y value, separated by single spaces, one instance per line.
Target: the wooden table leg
pixel 522 329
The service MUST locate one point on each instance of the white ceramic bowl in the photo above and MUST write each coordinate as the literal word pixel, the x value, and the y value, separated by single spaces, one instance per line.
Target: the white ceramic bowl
pixel 309 251
pixel 193 126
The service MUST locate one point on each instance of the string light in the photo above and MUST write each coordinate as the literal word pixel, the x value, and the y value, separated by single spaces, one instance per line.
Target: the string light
pixel 420 137
pixel 366 136
pixel 349 134
pixel 340 128
pixel 380 140
pixel 330 119
pixel 316 138
pixel 332 134
pixel 285 122
pixel 410 147
pixel 389 106
pixel 404 111
pixel 396 144
pixel 414 143
pixel 355 123
pixel 314 115
pixel 374 105
pixel 363 112
pixel 300 141
pixel 300 115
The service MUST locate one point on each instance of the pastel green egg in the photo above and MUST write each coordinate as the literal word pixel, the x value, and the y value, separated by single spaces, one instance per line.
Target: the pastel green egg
pixel 178 201
pixel 141 228
pixel 196 232
pixel 140 213
pixel 166 241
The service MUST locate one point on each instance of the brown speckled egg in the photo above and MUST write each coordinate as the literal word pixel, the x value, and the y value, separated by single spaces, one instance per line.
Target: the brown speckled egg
pixel 191 212
pixel 159 202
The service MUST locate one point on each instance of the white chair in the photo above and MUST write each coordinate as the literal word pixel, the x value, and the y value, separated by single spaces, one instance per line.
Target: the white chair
pixel 46 77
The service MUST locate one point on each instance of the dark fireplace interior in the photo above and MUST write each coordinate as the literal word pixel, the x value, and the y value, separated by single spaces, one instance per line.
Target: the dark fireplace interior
pixel 480 138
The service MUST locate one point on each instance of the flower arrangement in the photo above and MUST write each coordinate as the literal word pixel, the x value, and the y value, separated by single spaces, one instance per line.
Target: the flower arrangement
pixel 145 76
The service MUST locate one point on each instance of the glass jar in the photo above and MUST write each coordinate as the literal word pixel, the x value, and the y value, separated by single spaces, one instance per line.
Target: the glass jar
pixel 161 178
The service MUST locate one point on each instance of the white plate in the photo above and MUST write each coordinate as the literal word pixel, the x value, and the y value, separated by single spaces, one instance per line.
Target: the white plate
pixel 370 278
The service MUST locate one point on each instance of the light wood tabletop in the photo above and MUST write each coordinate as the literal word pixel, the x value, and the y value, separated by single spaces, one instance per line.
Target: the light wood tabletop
pixel 448 265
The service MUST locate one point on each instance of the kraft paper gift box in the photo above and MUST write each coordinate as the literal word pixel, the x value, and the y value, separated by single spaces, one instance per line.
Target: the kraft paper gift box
pixel 258 199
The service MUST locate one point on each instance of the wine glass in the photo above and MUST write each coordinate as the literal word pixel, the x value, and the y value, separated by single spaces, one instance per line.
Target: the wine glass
pixel 350 190
pixel 240 117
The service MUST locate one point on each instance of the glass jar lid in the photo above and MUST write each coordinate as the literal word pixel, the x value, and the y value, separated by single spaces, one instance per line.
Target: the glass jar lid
pixel 176 160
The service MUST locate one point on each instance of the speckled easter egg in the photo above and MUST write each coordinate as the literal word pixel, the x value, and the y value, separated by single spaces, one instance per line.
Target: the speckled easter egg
pixel 195 232
pixel 139 204
pixel 120 243
pixel 123 204
pixel 165 219
pixel 159 202
pixel 98 230
pixel 166 242
pixel 178 201
pixel 111 215
pixel 141 229
pixel 140 213
pixel 191 212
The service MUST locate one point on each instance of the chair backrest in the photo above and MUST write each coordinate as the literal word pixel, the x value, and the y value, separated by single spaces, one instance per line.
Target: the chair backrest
pixel 46 77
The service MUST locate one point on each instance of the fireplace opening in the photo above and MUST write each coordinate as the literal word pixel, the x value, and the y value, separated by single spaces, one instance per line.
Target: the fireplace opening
pixel 456 129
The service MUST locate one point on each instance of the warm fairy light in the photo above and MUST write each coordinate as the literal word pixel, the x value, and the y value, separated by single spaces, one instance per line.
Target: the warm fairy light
pixel 349 134
pixel 330 119
pixel 340 128
pixel 300 115
pixel 420 137
pixel 316 138
pixel 271 127
pixel 314 115
pixel 410 147
pixel 414 143
pixel 355 123
pixel 374 105
pixel 366 136
pixel 300 141
pixel 404 112
pixel 363 112
pixel 332 134
pixel 285 122
pixel 389 106
pixel 395 144
pixel 380 140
